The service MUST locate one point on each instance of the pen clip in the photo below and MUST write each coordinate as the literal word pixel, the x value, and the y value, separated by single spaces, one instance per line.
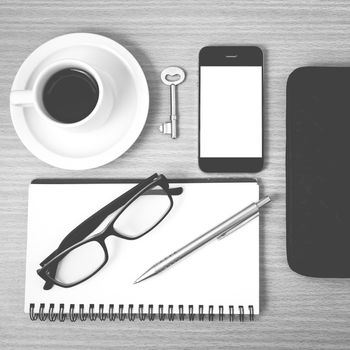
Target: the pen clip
pixel 231 230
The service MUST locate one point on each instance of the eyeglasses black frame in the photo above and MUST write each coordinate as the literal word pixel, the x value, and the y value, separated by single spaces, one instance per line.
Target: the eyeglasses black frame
pixel 76 237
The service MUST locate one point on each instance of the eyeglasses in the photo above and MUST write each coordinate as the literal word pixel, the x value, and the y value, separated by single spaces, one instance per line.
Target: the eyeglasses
pixel 83 253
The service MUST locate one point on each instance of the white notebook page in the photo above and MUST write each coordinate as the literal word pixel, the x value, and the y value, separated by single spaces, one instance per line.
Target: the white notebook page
pixel 224 272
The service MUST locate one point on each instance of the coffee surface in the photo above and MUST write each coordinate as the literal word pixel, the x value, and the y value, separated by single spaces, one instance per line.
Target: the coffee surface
pixel 70 95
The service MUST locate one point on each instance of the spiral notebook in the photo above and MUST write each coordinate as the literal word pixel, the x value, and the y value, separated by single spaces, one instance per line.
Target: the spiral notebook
pixel 219 281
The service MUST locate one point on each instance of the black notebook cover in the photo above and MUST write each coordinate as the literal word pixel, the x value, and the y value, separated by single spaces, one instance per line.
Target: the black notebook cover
pixel 318 169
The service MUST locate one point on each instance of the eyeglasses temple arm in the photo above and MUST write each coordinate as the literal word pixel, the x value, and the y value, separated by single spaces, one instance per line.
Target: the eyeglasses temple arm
pixel 175 191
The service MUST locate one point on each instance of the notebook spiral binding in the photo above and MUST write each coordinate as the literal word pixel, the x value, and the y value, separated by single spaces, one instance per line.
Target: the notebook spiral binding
pixel 142 313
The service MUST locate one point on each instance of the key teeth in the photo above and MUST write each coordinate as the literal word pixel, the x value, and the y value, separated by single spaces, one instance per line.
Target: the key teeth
pixel 165 128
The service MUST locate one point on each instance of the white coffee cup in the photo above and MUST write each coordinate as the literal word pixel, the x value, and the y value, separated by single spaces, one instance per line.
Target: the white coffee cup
pixel 33 97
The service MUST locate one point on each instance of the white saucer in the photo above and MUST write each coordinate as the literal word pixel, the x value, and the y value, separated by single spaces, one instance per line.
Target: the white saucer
pixel 71 149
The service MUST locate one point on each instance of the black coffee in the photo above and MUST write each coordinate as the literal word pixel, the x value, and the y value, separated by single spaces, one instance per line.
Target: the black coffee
pixel 70 95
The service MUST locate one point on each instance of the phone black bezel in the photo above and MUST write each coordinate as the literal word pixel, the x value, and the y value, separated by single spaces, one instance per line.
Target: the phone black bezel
pixel 230 56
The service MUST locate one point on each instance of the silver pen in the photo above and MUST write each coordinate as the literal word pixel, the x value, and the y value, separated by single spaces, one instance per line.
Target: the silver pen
pixel 220 231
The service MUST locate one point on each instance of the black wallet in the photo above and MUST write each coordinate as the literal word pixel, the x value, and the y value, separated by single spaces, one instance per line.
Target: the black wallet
pixel 318 171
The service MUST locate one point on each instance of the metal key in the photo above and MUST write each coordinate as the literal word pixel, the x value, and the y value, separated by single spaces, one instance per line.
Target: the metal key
pixel 172 76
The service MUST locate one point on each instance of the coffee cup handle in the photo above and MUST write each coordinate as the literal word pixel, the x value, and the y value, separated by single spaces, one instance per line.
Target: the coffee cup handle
pixel 22 97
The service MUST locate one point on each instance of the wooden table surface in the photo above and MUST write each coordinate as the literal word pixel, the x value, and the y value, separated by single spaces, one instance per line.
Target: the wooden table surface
pixel 297 312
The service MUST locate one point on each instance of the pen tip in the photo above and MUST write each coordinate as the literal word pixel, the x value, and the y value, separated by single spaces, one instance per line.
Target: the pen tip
pixel 141 278
pixel 138 280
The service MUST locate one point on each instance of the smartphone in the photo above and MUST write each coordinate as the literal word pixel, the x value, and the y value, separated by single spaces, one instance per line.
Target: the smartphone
pixel 230 109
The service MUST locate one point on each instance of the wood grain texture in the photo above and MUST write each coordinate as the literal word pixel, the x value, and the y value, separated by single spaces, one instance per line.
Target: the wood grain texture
pixel 297 312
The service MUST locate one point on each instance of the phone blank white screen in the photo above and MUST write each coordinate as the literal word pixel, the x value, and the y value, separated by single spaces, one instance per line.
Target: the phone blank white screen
pixel 231 112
